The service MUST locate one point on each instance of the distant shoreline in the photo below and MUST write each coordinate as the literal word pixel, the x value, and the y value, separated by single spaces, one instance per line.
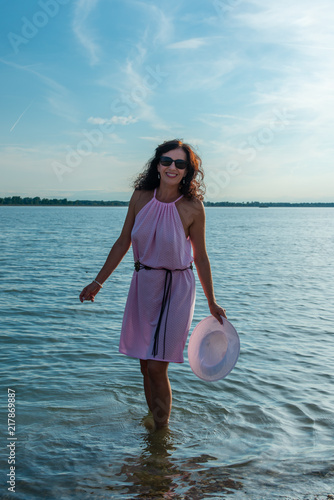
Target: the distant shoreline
pixel 37 202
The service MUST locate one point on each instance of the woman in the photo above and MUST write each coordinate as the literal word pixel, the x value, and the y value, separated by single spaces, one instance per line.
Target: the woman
pixel 165 223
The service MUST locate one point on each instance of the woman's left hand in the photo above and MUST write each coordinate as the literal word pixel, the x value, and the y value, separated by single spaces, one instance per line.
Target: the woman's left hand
pixel 217 312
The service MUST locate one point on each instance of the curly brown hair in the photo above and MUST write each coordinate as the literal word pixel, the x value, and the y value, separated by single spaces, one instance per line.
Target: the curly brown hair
pixel 192 188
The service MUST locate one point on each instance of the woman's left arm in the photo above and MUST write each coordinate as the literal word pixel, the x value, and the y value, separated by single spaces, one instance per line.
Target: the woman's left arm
pixel 201 259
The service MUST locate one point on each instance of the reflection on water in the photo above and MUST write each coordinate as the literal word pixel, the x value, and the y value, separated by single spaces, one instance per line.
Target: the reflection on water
pixel 155 474
pixel 152 473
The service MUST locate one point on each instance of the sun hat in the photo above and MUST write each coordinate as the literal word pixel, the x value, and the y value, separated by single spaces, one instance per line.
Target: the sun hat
pixel 213 349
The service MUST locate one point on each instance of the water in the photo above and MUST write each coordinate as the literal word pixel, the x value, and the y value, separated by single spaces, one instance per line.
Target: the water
pixel 264 432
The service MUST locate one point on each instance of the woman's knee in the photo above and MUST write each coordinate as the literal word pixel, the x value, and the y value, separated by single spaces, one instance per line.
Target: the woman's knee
pixel 157 370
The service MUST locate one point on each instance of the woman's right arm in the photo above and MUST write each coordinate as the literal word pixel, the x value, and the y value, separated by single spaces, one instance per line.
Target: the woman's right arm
pixel 116 254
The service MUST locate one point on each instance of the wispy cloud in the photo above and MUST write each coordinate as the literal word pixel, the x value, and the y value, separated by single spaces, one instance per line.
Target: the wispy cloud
pixel 289 22
pixel 58 98
pixel 210 76
pixel 207 73
pixel 19 118
pixel 84 34
pixel 159 29
pixel 116 120
pixel 156 139
pixel 191 43
pixel 29 68
pixel 293 40
pixel 138 83
pixel 136 80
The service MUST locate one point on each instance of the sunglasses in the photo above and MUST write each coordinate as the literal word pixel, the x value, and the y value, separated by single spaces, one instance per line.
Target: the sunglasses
pixel 166 162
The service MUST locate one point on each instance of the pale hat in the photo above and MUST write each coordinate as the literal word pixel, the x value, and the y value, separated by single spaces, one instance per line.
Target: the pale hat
pixel 213 349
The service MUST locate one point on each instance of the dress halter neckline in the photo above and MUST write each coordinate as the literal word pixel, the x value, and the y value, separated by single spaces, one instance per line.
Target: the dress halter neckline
pixel 164 202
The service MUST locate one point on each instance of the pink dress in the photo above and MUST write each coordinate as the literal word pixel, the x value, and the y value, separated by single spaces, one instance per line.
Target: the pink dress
pixel 161 300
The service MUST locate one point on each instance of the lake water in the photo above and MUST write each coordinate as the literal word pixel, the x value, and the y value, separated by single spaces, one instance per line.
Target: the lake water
pixel 264 432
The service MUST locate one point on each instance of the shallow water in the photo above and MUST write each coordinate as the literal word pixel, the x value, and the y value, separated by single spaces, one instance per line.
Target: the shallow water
pixel 264 432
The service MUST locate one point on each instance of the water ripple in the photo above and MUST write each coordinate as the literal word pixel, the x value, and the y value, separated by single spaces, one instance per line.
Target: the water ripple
pixel 264 432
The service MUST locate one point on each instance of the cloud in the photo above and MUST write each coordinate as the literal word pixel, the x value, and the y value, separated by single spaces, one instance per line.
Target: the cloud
pixel 116 120
pixel 191 43
pixel 136 79
pixel 19 118
pixel 58 97
pixel 157 139
pixel 139 82
pixel 85 35
pixel 116 139
pixel 303 23
pixel 291 73
pixel 159 27
pixel 212 72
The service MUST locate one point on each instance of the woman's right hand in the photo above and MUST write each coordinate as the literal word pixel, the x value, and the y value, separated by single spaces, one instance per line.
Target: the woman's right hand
pixel 89 292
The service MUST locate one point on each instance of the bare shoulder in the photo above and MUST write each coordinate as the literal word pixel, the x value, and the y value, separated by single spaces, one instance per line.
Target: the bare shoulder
pixel 135 197
pixel 191 209
pixel 137 201
pixel 197 205
pixel 139 198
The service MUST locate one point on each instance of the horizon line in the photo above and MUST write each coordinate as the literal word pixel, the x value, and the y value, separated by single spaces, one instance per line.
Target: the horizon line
pixel 37 200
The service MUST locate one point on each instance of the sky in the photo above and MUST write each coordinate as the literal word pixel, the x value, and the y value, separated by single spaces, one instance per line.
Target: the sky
pixel 89 88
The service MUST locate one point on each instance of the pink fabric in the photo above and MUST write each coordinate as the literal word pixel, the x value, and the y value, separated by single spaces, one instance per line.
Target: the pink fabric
pixel 158 241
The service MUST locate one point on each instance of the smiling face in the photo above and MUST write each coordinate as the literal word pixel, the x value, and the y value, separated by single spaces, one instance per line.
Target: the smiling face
pixel 171 174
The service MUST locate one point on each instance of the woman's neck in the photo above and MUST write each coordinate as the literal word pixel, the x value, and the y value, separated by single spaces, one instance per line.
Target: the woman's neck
pixel 167 194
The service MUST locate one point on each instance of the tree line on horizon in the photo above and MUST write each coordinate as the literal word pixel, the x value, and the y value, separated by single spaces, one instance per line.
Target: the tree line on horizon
pixel 37 201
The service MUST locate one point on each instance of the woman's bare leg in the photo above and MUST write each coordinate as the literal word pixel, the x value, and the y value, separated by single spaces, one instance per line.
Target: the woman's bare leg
pixel 161 393
pixel 147 385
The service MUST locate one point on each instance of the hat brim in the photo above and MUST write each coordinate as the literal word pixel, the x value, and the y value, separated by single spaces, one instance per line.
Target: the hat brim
pixel 213 349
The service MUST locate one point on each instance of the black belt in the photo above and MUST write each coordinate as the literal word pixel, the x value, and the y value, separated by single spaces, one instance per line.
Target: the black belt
pixel 166 298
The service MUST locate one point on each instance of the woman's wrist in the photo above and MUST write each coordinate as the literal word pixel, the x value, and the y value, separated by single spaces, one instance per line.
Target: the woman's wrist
pixel 212 302
pixel 98 283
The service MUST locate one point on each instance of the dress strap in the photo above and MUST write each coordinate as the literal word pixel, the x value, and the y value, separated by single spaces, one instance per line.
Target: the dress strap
pixel 178 198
